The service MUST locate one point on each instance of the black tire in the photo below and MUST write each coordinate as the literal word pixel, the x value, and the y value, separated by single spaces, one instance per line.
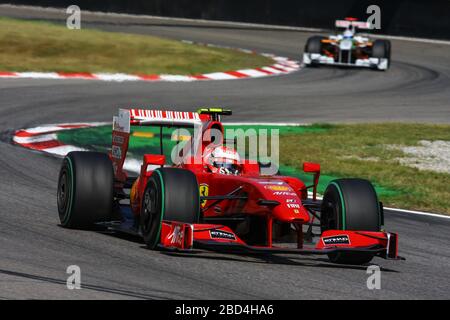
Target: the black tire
pixel 85 189
pixel 350 204
pixel 314 44
pixel 170 194
pixel 388 44
pixel 382 49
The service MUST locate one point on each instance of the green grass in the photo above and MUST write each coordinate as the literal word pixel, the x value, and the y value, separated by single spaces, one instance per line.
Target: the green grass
pixel 342 150
pixel 360 151
pixel 42 46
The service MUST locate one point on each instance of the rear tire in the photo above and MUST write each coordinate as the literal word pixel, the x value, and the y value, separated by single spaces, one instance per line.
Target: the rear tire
pixel 350 204
pixel 85 189
pixel 171 194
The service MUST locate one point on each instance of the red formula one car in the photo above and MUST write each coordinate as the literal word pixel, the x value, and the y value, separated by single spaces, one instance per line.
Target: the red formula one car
pixel 211 199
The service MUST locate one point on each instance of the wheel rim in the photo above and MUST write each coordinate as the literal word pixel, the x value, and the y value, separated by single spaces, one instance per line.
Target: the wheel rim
pixel 150 211
pixel 63 194
pixel 329 214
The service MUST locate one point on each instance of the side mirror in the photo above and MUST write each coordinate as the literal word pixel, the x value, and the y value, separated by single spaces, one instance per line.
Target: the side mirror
pixel 152 159
pixel 155 159
pixel 311 167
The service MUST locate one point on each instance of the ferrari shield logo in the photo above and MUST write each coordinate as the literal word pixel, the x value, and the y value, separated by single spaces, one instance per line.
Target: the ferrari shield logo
pixel 204 191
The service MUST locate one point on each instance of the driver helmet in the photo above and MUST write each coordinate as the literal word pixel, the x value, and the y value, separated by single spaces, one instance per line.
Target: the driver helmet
pixel 348 34
pixel 222 160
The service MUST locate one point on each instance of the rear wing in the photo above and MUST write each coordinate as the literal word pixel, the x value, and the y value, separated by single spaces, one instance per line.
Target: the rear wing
pixel 350 22
pixel 140 117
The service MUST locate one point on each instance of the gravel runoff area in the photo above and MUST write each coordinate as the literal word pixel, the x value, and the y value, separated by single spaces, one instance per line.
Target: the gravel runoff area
pixel 428 155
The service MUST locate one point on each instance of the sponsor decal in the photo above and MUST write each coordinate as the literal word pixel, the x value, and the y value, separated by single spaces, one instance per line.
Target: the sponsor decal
pixel 116 152
pixel 293 205
pixel 296 211
pixel 204 191
pixel 117 139
pixel 218 234
pixel 176 236
pixel 117 125
pixel 277 187
pixel 341 239
pixel 284 193
pixel 271 182
pixel 291 200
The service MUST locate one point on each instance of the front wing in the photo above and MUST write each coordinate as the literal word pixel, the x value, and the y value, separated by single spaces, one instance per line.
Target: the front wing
pixel 184 236
pixel 317 58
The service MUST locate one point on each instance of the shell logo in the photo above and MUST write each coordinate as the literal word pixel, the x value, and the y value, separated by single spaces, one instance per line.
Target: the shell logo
pixel 277 188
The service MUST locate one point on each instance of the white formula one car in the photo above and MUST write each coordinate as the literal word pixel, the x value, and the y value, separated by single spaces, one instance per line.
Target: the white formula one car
pixel 348 48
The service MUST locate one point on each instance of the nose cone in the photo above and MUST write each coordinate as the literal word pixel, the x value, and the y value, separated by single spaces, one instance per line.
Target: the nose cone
pixel 290 208
pixel 291 211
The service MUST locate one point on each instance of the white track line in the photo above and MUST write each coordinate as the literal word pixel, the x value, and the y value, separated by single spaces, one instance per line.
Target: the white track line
pixel 411 39
pixel 421 213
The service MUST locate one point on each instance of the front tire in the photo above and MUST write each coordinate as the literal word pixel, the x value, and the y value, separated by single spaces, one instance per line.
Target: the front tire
pixel 350 204
pixel 171 194
pixel 85 189
pixel 382 49
pixel 314 45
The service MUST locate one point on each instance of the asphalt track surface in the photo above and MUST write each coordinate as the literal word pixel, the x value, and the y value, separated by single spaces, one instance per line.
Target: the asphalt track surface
pixel 35 251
